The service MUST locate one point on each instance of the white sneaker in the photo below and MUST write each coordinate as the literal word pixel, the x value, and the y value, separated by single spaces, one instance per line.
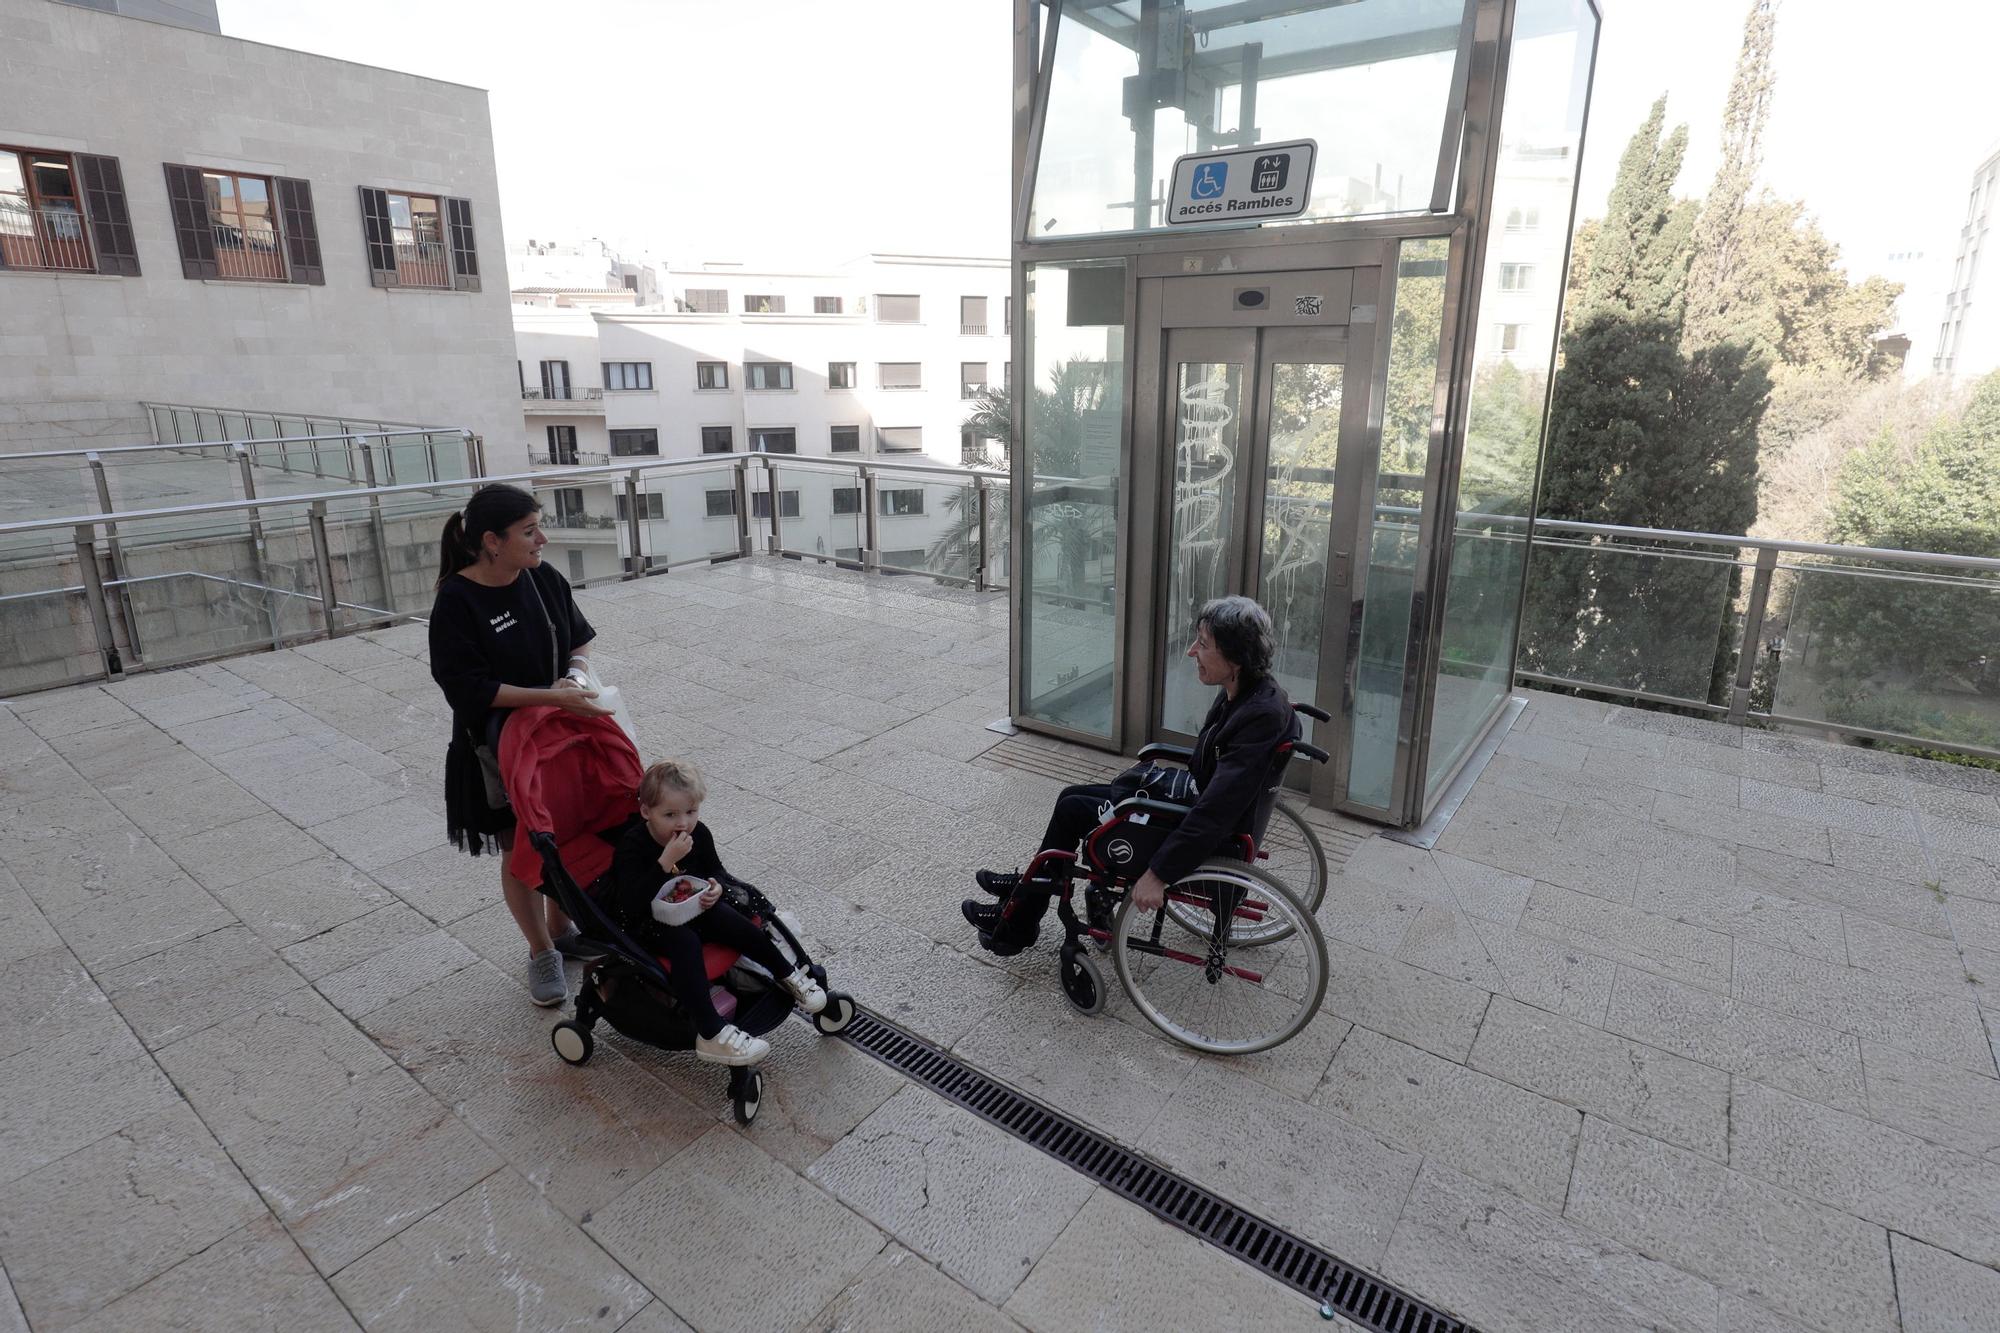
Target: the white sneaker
pixel 806 991
pixel 732 1046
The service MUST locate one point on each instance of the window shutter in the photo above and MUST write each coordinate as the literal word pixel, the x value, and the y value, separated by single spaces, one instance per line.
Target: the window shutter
pixel 192 229
pixel 380 236
pixel 110 220
pixel 464 251
pixel 295 216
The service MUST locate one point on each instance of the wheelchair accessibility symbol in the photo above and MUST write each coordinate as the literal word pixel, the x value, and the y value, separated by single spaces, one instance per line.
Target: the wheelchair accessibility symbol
pixel 1209 179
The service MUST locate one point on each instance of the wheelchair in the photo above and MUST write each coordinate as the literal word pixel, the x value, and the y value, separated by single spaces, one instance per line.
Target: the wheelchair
pixel 1232 963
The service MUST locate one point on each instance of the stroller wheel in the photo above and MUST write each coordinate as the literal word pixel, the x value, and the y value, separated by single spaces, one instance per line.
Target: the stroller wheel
pixel 572 1041
pixel 1082 982
pixel 746 1090
pixel 839 1012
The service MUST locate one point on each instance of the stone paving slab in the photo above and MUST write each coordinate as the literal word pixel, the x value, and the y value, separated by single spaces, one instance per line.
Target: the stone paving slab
pixel 244 862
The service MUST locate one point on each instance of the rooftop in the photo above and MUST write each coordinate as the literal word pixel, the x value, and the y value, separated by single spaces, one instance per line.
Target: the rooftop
pixel 1680 1026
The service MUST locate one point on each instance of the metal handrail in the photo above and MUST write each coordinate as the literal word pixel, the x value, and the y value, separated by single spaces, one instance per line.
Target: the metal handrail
pixel 343 437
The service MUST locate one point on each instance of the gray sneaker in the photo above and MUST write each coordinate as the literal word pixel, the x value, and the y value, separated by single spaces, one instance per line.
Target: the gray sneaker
pixel 546 984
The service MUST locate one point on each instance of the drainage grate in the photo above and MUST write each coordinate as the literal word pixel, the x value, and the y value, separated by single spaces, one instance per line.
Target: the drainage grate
pixel 1300 1265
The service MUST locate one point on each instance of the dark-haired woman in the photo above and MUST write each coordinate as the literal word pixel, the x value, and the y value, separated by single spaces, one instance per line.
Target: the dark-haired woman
pixel 1235 761
pixel 505 633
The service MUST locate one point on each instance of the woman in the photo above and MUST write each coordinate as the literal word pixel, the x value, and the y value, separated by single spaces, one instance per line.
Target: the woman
pixel 1235 762
pixel 505 633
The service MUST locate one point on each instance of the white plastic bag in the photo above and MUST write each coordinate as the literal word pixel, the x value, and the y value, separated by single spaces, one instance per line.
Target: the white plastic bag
pixel 609 697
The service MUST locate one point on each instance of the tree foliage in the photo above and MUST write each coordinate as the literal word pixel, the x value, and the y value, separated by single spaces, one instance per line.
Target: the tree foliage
pixel 1715 297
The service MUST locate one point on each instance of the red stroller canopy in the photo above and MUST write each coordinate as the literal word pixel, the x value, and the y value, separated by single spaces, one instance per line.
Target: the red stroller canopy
pixel 570 776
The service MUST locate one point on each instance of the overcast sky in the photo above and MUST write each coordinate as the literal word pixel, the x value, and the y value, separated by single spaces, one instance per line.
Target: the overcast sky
pixel 819 129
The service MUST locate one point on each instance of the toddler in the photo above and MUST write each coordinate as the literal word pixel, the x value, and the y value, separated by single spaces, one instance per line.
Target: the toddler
pixel 666 894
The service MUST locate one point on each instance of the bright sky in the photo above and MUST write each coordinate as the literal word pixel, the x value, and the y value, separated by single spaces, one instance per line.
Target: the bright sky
pixel 819 129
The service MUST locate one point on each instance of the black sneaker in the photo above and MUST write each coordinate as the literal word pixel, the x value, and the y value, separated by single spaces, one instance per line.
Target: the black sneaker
pixel 1098 907
pixel 996 935
pixel 999 883
pixel 572 945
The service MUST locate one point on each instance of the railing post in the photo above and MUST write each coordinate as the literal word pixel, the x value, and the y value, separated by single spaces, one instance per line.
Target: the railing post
pixel 871 554
pixel 979 536
pixel 743 506
pixel 777 525
pixel 247 472
pixel 376 526
pixel 116 549
pixel 93 595
pixel 475 461
pixel 633 527
pixel 329 603
pixel 1753 636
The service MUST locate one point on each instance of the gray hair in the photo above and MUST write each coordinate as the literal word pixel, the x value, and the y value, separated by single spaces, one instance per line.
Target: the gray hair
pixel 1241 631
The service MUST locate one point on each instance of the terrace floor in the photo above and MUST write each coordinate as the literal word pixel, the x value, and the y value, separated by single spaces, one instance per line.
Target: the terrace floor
pixel 1679 1027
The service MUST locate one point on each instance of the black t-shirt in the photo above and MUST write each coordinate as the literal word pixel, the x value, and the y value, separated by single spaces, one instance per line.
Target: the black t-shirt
pixel 636 875
pixel 483 638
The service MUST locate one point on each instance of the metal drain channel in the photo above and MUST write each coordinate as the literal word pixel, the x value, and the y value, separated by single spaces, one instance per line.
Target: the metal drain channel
pixel 1169 1196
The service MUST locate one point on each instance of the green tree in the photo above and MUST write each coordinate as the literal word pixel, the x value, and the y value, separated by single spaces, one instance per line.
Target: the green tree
pixel 1639 255
pixel 1715 299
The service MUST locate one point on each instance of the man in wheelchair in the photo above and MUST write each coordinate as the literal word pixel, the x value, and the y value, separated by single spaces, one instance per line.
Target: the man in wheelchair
pixel 1237 758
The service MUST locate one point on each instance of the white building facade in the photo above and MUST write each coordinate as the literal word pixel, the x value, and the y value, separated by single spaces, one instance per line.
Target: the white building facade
pixel 1968 343
pixel 878 360
pixel 190 218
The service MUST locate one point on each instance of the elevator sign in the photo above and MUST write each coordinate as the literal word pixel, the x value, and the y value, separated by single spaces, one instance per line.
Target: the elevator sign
pixel 1242 185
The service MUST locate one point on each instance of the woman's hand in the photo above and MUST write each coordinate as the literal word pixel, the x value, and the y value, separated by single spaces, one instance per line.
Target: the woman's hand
pixel 711 896
pixel 579 699
pixel 1150 893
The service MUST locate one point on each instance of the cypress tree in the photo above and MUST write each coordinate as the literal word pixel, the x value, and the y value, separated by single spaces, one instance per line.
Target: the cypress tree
pixel 1720 237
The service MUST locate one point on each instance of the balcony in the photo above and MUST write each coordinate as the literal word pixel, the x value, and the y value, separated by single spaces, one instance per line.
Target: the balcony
pixel 573 402
pixel 49 238
pixel 569 458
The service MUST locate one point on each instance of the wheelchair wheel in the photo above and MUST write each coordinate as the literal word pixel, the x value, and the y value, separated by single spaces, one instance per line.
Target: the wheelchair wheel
pixel 1252 919
pixel 572 1041
pixel 1221 993
pixel 746 1093
pixel 1294 854
pixel 839 1012
pixel 1082 982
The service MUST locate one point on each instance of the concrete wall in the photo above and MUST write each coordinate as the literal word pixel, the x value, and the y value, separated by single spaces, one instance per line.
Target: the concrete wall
pixel 79 352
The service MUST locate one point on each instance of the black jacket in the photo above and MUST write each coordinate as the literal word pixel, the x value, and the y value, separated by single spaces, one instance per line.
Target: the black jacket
pixel 1236 761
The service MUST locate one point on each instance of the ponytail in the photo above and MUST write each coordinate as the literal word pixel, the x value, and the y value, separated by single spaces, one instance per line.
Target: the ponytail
pixel 492 508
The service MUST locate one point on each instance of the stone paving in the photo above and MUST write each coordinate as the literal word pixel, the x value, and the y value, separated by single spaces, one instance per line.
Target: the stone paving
pixel 1679 1027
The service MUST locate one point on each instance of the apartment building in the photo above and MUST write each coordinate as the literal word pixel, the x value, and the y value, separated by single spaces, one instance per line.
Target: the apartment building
pixel 1968 343
pixel 878 359
pixel 190 218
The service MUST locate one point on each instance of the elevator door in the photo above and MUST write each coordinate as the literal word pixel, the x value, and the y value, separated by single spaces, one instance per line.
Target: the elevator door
pixel 1264 430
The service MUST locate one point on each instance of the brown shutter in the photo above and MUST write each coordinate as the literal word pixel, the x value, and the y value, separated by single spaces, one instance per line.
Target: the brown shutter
pixel 110 220
pixel 295 216
pixel 464 250
pixel 189 201
pixel 380 236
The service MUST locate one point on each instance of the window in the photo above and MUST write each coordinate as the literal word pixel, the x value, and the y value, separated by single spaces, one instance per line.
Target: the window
pixel 1524 219
pixel 628 375
pixel 763 305
pixel 711 374
pixel 243 222
pixel 635 443
pixel 1517 277
pixel 718 440
pixel 419 240
pixel 774 440
pixel 1510 337
pixel 900 440
pixel 576 566
pixel 898 309
pixel 652 507
pixel 760 504
pixel 52 205
pixel 972 314
pixel 971 378
pixel 562 445
pixel 840 375
pixel 846 440
pixel 826 305
pixel 896 503
pixel 899 374
pixel 706 300
pixel 722 504
pixel 846 500
pixel 555 379
pixel 767 374
pixel 568 509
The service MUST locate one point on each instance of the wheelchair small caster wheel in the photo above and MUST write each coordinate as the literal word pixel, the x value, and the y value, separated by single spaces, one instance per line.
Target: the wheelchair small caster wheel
pixel 572 1041
pixel 839 1012
pixel 1082 982
pixel 746 1092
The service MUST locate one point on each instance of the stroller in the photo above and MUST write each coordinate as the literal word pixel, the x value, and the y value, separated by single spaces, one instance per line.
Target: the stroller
pixel 573 782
